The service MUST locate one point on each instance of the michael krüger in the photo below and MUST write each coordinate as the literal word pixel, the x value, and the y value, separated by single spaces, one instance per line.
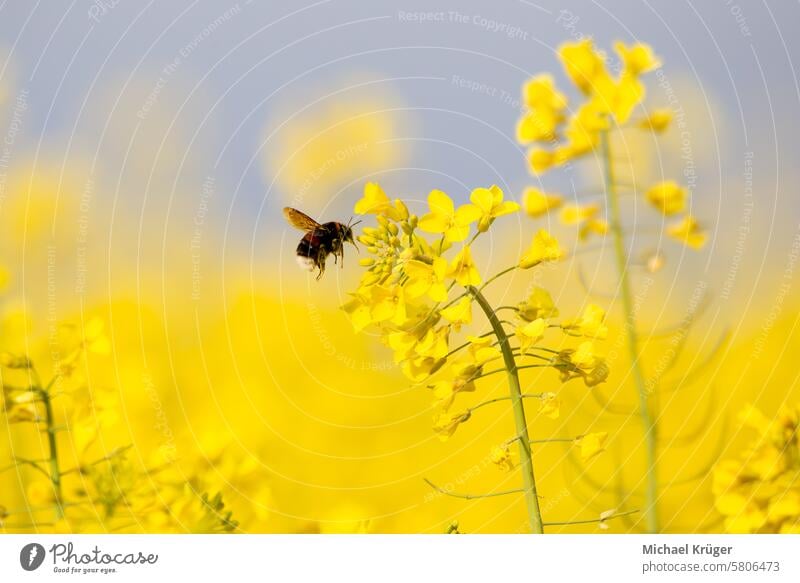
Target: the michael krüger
pixel 665 549
pixel 65 554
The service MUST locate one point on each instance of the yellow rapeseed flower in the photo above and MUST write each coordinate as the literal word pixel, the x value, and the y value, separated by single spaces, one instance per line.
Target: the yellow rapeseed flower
pixel 530 333
pixel 591 444
pixel 668 197
pixel 550 405
pixel 658 120
pixel 463 268
pixel 539 304
pixel 583 64
pixel 537 203
pixel 503 457
pixel 589 324
pixel 445 424
pixel 446 219
pixel 490 205
pixel 636 59
pixel 376 202
pixel 459 313
pixel 688 232
pixel 544 247
pixel 426 278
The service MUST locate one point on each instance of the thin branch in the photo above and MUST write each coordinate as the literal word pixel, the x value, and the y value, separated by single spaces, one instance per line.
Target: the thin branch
pixel 570 522
pixel 555 440
pixel 471 496
pixel 495 400
pixel 498 275
pixel 463 346
pixel 31 463
pixel 103 459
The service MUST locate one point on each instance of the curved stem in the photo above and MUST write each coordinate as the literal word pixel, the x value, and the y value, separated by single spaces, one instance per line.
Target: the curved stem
pixel 569 522
pixel 498 399
pixel 498 275
pixel 526 461
pixel 648 425
pixel 470 496
pixel 55 472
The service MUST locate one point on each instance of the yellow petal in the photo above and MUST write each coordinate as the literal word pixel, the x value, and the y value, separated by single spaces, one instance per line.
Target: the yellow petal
pixel 538 203
pixel 544 247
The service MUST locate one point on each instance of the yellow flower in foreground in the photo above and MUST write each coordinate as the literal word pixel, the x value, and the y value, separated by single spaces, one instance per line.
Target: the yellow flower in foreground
pixel 538 305
pixel 591 444
pixel 668 197
pixel 490 205
pixel 503 457
pixel 590 323
pixel 544 247
pixel 426 278
pixel 419 369
pixel 657 121
pixel 530 333
pixel 459 313
pixel 446 424
pixel 479 353
pixel 537 203
pixel 446 219
pixel 584 356
pixel 688 232
pixel 376 202
pixel 357 308
pixel 387 303
pixel 463 269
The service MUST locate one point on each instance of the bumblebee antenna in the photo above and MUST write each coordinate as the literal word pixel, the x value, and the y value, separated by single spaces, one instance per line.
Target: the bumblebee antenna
pixel 350 225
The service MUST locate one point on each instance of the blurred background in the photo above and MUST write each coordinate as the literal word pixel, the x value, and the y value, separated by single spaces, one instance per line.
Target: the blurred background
pixel 147 152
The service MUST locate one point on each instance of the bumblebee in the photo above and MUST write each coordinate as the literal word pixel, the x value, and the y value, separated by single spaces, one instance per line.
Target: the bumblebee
pixel 319 241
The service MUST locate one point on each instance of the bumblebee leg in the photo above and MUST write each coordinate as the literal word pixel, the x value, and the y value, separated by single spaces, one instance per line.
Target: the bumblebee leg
pixel 320 264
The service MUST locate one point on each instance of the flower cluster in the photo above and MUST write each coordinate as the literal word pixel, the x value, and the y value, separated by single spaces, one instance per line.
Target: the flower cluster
pixel 759 491
pixel 406 294
pixel 97 486
pixel 558 134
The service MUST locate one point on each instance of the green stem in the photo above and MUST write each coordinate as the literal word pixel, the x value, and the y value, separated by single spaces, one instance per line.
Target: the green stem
pixel 498 275
pixel 648 424
pixel 570 522
pixel 55 472
pixel 526 461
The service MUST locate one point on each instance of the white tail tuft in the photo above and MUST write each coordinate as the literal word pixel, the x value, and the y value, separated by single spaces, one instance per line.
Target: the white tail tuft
pixel 305 263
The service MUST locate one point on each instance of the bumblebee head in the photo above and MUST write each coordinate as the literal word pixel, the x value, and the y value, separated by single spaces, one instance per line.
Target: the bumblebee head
pixel 347 234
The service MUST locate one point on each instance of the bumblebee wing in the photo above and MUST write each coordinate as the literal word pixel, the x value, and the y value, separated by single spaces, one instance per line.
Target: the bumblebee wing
pixel 300 220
